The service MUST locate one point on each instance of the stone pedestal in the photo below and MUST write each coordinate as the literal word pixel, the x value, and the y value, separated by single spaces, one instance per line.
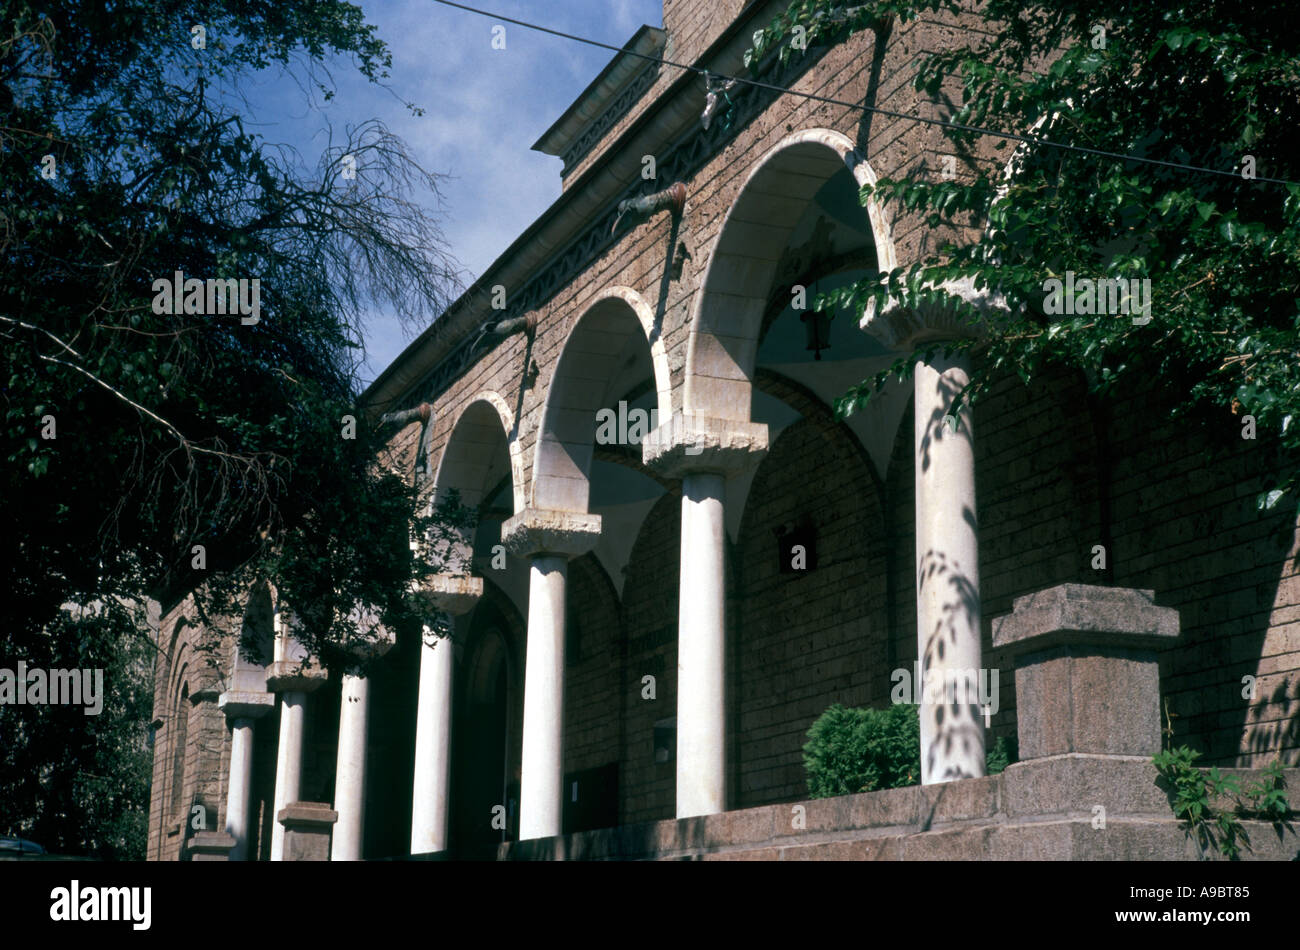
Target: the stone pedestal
pixel 431 794
pixel 306 827
pixel 702 452
pixel 1087 671
pixel 210 846
pixel 549 539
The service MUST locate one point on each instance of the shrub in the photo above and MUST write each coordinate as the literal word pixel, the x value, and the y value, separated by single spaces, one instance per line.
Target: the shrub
pixel 861 750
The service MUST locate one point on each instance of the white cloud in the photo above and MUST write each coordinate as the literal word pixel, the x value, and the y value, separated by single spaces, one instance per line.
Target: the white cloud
pixel 484 109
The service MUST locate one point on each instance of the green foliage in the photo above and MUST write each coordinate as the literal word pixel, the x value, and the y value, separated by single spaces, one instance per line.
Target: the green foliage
pixel 184 430
pixel 824 24
pixel 1192 792
pixel 177 430
pixel 1002 753
pixel 1202 85
pixel 861 750
pixel 1267 798
pixel 78 784
pixel 1196 796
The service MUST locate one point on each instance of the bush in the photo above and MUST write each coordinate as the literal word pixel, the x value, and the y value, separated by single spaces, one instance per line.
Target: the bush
pixel 861 750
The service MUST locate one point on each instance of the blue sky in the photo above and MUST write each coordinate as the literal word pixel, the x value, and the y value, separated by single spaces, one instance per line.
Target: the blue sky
pixel 484 109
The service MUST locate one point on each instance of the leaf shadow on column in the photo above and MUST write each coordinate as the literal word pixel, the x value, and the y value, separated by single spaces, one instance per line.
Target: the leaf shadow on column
pixel 954 720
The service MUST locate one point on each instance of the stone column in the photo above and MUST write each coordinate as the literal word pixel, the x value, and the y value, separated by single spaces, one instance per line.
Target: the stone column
pixel 702 452
pixel 947 541
pixel 241 709
pixel 947 575
pixel 549 539
pixel 350 772
pixel 293 682
pixel 452 596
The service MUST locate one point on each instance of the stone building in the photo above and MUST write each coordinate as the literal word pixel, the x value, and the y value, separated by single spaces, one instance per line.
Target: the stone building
pixel 647 627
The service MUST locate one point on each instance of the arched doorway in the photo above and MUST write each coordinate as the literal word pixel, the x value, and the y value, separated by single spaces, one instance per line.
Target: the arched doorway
pixel 486 726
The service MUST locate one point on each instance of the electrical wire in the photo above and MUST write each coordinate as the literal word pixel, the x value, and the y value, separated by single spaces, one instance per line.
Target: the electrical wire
pixel 875 110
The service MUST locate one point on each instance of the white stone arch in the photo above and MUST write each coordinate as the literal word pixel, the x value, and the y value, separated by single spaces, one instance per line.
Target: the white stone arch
pixel 728 314
pixel 467 455
pixel 590 362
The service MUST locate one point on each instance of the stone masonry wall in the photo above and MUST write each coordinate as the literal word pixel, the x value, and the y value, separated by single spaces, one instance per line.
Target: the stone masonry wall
pixel 807 639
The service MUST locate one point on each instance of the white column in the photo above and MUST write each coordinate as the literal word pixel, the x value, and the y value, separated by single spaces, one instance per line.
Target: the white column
pixel 241 786
pixel 701 650
pixel 549 538
pixel 947 576
pixel 702 451
pixel 429 807
pixel 243 707
pixel 350 773
pixel 288 763
pixel 543 747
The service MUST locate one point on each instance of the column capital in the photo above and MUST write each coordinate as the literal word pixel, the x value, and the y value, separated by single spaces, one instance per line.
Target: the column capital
pixel 375 642
pixel 539 531
pixel 904 326
pixel 450 593
pixel 689 443
pixel 368 650
pixel 244 704
pixel 297 676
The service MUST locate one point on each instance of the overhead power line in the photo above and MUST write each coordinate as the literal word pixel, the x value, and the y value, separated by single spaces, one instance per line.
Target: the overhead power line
pixel 875 110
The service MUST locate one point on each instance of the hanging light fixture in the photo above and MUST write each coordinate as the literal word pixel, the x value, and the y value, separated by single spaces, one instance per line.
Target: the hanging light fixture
pixel 817 327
